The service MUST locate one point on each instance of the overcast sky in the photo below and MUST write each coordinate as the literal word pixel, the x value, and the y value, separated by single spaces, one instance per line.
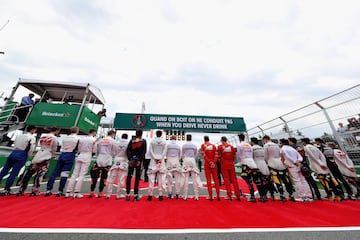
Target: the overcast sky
pixel 251 59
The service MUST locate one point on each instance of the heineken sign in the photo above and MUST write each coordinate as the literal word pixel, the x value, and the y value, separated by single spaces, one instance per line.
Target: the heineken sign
pixel 63 116
pixel 46 114
pixel 129 121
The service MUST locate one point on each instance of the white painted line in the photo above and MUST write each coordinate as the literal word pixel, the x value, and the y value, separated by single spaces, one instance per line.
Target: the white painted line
pixel 176 231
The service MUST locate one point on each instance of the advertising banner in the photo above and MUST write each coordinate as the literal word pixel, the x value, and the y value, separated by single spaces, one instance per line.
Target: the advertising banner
pixel 63 116
pixel 130 121
pixel 46 114
pixel 88 120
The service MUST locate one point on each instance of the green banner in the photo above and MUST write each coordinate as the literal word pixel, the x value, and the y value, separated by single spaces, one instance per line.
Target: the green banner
pixel 130 121
pixel 63 116
pixel 47 114
pixel 88 120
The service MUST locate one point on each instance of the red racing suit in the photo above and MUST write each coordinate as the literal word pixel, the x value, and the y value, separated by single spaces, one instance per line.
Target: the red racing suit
pixel 227 154
pixel 209 152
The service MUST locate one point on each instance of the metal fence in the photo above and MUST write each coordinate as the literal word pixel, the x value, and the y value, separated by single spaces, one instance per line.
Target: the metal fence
pixel 321 119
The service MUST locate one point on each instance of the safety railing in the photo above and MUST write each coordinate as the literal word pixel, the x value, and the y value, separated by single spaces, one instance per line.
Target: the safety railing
pixel 335 118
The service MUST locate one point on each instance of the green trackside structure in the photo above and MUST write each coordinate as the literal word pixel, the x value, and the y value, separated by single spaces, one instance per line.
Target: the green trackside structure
pixel 60 104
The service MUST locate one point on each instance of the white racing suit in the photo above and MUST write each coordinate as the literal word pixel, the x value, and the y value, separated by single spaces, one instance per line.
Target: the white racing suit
pixel 174 170
pixel 106 148
pixel 81 168
pixel 119 170
pixel 86 148
pixel 157 167
pixel 189 167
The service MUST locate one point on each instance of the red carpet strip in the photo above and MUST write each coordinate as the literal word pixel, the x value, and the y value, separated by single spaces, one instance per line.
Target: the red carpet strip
pixel 52 212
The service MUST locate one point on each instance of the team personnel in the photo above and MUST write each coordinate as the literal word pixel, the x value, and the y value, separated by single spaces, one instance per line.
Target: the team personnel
pixel 227 155
pixel 136 151
pixel 173 155
pixel 249 169
pixel 305 169
pixel 189 152
pixel 24 145
pixel 40 162
pixel 329 153
pixel 209 152
pixel 277 169
pixel 119 169
pixel 106 148
pixel 86 149
pixel 318 164
pixel 346 167
pixel 292 159
pixel 157 167
pixel 264 173
pixel 65 162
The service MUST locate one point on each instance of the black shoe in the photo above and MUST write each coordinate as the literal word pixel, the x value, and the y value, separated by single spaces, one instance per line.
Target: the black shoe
pixel 20 193
pixel 33 194
pixel 127 198
pixel 283 199
pixel 263 199
pixel 5 193
pixel 48 193
pixel 149 198
pixel 161 198
pixel 292 199
pixel 169 196
pixel 136 198
pixel 351 197
pixel 60 194
pixel 177 196
pixel 252 199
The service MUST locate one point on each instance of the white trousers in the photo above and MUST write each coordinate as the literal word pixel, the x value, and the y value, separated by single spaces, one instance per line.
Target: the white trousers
pixel 114 173
pixel 300 184
pixel 80 170
pixel 189 166
pixel 160 170
pixel 177 177
pixel 174 174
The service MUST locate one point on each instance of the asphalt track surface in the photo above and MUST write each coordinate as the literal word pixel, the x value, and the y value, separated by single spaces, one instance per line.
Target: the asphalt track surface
pixel 313 235
pixel 352 233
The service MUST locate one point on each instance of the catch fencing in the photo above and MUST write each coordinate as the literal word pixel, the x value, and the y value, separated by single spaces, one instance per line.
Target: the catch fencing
pixel 321 119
